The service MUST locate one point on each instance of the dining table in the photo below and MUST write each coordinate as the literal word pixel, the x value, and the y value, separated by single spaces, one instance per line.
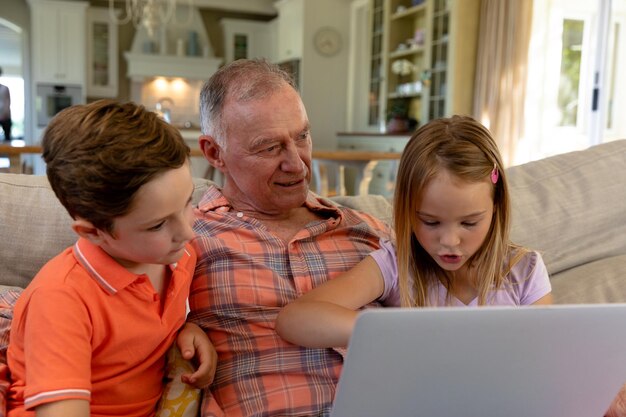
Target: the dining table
pixel 363 162
pixel 323 163
pixel 14 154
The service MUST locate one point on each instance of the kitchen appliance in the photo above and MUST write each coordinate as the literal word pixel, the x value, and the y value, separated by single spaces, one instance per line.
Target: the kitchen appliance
pixel 52 98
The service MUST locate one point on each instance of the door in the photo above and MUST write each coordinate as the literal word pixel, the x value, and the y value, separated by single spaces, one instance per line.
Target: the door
pixel 564 99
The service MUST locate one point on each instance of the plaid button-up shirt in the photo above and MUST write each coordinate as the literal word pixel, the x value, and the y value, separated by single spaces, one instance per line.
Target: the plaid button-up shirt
pixel 244 275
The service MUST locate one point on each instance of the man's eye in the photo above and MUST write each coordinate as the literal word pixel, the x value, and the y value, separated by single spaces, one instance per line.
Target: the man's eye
pixel 304 135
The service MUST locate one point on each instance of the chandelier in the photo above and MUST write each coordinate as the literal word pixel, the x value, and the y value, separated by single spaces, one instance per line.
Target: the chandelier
pixel 147 13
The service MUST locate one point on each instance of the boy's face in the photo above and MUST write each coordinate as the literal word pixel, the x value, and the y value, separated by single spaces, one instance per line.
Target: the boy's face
pixel 158 225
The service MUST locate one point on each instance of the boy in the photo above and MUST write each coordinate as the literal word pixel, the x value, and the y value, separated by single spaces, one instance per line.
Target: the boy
pixel 90 332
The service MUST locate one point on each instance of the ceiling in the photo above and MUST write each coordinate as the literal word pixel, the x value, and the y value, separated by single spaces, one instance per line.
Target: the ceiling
pixel 247 6
pixel 265 7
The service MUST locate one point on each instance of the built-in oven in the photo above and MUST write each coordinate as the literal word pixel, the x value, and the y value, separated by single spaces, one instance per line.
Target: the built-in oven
pixel 52 98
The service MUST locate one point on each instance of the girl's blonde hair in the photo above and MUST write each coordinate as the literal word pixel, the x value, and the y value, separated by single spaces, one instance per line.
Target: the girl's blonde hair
pixel 465 148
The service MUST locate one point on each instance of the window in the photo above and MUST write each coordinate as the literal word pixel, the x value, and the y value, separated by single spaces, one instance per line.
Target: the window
pixel 569 81
pixel 561 114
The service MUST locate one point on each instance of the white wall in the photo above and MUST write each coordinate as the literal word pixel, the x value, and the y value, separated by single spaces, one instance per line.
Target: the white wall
pixel 324 80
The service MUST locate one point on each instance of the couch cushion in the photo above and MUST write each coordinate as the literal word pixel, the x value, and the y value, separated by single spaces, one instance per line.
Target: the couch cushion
pixel 571 207
pixel 374 205
pixel 34 227
pixel 601 281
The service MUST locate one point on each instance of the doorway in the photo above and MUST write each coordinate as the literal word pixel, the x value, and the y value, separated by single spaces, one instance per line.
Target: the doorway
pixel 11 62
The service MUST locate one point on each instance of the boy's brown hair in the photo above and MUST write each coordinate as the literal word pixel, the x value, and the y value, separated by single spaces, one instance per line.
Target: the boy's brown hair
pixel 98 155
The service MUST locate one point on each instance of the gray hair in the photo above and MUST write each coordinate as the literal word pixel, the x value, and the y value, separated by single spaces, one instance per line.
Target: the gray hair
pixel 243 80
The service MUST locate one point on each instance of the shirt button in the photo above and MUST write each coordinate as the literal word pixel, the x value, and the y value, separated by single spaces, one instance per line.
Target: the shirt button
pixel 240 215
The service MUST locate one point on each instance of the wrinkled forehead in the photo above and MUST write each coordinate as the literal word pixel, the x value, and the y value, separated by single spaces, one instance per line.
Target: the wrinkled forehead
pixel 250 89
pixel 282 110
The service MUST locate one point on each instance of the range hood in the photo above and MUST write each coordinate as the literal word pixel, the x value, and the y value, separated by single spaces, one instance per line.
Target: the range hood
pixel 181 48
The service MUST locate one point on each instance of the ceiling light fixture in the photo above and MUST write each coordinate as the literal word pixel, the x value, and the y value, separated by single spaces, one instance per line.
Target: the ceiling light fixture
pixel 150 14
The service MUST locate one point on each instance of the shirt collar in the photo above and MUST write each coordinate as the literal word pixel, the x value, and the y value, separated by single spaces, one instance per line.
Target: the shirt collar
pixel 105 270
pixel 214 200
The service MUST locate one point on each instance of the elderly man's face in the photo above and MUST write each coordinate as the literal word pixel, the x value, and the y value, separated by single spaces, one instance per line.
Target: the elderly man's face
pixel 267 162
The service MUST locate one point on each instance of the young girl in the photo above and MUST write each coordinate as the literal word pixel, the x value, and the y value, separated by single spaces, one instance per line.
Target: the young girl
pixel 451 214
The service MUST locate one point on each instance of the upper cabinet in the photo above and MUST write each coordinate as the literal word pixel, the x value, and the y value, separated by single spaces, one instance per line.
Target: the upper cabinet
pixel 429 56
pixel 247 39
pixel 454 40
pixel 58 41
pixel 290 29
pixel 102 47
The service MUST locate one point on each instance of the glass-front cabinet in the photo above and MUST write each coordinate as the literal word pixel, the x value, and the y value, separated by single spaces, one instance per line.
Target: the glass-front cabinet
pixel 377 62
pixel 102 61
pixel 407 59
pixel 423 53
pixel 439 59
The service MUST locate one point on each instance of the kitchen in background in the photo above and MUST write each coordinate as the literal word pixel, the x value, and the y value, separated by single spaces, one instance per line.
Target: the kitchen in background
pixel 166 71
pixel 76 47
pixel 280 30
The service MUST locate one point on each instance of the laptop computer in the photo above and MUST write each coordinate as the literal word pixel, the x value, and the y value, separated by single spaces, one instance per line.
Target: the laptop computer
pixel 561 360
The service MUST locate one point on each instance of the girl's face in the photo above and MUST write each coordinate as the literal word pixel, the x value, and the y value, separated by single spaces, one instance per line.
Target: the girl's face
pixel 453 219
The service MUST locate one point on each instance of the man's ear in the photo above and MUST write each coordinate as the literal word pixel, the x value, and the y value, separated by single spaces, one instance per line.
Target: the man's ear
pixel 212 151
pixel 87 230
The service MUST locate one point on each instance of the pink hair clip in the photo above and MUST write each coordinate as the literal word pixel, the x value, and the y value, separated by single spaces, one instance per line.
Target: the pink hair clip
pixel 494 174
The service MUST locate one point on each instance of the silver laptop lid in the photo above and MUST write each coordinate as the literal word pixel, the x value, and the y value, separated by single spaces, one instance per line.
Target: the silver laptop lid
pixel 567 360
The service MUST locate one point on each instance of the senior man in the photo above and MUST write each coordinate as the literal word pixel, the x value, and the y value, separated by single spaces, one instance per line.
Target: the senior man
pixel 263 240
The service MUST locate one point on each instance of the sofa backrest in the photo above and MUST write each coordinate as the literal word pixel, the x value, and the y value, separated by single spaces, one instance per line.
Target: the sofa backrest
pixel 35 227
pixel 572 207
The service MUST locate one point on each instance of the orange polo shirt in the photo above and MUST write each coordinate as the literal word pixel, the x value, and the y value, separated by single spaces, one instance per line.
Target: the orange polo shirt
pixel 87 328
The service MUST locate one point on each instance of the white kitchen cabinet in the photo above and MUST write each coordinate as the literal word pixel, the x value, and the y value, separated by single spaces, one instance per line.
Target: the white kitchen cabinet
pixel 102 61
pixel 59 41
pixel 246 39
pixel 290 29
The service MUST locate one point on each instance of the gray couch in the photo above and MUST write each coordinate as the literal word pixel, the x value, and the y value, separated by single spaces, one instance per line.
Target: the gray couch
pixel 570 207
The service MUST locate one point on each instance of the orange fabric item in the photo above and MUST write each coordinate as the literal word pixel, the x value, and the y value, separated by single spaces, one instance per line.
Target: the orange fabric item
pixel 8 297
pixel 87 328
